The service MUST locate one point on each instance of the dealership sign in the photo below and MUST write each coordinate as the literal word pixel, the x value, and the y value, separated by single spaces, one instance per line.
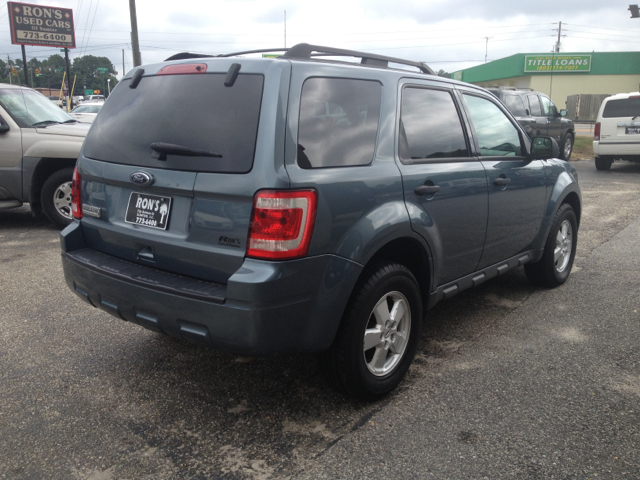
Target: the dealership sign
pixel 41 25
pixel 557 63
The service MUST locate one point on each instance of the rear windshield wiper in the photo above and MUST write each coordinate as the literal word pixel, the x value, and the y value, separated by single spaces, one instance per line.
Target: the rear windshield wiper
pixel 163 149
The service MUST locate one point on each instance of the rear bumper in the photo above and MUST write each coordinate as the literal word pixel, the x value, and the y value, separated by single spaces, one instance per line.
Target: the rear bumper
pixel 265 308
pixel 617 150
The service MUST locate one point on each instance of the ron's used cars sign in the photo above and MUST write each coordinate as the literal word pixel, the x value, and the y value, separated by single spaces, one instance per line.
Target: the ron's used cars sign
pixel 557 63
pixel 41 25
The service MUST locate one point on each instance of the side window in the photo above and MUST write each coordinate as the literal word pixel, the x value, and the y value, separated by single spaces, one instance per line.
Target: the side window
pixel 338 122
pixel 550 109
pixel 430 125
pixel 534 105
pixel 497 136
pixel 515 104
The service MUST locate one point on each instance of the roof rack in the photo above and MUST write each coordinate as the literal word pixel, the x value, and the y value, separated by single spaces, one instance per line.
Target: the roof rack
pixel 305 50
pixel 504 87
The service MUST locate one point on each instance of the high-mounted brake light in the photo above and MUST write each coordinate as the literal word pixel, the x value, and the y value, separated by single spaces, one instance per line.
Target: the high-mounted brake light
pixel 76 198
pixel 596 132
pixel 282 224
pixel 183 69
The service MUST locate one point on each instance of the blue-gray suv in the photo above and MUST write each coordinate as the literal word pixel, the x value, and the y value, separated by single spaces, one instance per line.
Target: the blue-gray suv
pixel 307 204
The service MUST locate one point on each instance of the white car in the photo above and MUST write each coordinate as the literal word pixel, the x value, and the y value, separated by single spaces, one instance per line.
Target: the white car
pixel 86 112
pixel 617 130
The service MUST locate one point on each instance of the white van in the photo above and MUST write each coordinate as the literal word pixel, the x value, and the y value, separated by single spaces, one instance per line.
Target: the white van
pixel 617 131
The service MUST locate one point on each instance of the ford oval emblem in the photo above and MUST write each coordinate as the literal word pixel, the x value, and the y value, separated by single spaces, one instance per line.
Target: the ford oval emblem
pixel 141 178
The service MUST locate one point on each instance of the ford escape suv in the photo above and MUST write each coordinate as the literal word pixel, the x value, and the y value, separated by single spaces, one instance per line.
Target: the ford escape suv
pixel 307 204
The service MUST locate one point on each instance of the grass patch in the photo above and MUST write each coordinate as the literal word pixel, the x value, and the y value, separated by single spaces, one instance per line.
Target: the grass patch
pixel 582 149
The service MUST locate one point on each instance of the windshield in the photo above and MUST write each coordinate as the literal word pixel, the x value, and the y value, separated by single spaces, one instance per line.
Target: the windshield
pixel 87 109
pixel 29 108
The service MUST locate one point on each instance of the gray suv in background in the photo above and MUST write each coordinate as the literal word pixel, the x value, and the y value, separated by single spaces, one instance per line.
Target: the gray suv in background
pixel 39 145
pixel 306 204
pixel 538 116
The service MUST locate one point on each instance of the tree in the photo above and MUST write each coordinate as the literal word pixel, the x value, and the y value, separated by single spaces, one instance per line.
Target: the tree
pixel 442 73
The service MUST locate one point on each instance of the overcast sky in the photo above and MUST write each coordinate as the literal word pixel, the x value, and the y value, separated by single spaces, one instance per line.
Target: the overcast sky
pixel 449 35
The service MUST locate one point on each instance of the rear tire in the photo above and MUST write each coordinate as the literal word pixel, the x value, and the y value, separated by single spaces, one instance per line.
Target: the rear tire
pixel 554 267
pixel 378 336
pixel 603 163
pixel 56 197
pixel 567 147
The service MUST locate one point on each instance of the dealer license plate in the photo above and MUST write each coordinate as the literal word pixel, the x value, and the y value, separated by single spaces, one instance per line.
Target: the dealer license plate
pixel 632 130
pixel 148 210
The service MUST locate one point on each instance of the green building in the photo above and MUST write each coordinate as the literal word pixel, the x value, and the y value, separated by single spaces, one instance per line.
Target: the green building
pixel 560 75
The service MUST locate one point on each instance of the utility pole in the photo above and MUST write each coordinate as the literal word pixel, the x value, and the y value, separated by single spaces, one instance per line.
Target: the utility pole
pixel 24 65
pixel 137 61
pixel 70 101
pixel 557 49
pixel 9 65
pixel 123 71
pixel 486 48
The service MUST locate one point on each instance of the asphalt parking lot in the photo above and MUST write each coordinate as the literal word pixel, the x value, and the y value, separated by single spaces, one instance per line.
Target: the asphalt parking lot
pixel 510 381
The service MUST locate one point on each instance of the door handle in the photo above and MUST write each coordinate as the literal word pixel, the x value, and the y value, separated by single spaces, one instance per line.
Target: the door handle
pixel 502 181
pixel 427 190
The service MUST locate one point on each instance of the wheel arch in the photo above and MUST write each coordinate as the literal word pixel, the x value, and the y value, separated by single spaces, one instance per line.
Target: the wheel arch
pixel 411 253
pixel 37 172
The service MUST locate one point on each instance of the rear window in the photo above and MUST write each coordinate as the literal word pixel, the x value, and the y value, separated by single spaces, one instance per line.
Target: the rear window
pixel 625 107
pixel 338 122
pixel 515 104
pixel 193 111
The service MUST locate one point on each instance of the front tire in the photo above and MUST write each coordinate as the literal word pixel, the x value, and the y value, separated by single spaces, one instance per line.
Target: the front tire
pixel 567 147
pixel 554 267
pixel 603 163
pixel 378 336
pixel 56 197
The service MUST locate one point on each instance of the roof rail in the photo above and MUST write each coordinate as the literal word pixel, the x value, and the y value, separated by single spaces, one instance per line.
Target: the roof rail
pixel 304 50
pixel 504 87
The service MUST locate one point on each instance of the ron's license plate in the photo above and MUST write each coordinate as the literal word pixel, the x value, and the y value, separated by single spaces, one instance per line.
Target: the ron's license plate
pixel 632 130
pixel 148 210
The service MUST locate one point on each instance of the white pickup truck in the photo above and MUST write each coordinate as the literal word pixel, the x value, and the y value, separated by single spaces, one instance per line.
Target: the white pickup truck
pixel 39 145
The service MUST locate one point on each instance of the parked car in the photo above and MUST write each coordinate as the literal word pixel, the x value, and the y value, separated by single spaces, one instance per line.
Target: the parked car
pixel 86 112
pixel 59 102
pixel 538 116
pixel 94 98
pixel 617 131
pixel 40 145
pixel 309 205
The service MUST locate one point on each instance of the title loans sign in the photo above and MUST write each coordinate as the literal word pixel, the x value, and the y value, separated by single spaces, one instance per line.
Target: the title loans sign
pixel 557 63
pixel 40 25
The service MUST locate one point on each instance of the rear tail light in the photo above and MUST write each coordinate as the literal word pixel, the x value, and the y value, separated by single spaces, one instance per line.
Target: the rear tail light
pixel 282 224
pixel 596 132
pixel 76 199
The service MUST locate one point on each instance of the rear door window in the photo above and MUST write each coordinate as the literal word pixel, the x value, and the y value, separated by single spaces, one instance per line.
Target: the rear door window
pixel 430 126
pixel 194 111
pixel 534 105
pixel 338 122
pixel 624 107
pixel 515 104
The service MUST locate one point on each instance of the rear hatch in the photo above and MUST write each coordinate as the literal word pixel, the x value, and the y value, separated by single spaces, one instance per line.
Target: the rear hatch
pixel 170 168
pixel 621 121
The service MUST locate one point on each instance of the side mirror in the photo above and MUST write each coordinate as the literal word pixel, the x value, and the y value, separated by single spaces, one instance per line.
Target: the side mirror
pixel 563 113
pixel 544 148
pixel 4 127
